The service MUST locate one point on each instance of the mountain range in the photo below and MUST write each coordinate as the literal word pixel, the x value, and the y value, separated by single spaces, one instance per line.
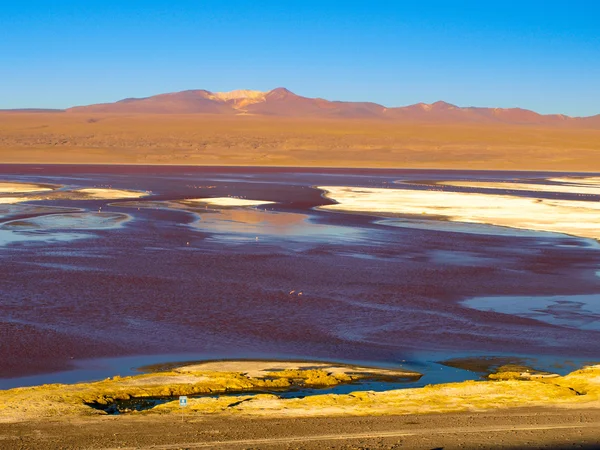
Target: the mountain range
pixel 282 102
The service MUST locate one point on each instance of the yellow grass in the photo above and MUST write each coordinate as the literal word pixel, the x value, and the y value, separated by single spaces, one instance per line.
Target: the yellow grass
pixel 580 388
pixel 205 378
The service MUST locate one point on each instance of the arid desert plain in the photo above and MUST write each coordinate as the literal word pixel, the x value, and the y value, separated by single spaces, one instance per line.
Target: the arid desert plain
pixel 354 301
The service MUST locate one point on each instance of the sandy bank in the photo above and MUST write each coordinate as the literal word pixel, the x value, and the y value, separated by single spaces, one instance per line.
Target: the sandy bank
pixel 578 218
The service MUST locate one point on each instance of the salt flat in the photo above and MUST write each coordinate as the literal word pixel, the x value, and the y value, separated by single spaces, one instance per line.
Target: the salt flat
pixel 593 181
pixel 11 200
pixel 108 194
pixel 578 218
pixel 228 201
pixel 569 188
pixel 12 188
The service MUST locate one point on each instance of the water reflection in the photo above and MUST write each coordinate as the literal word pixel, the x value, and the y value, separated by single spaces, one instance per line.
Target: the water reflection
pixel 62 227
pixel 255 223
pixel 261 224
pixel 69 221
pixel 575 311
pixel 8 211
pixel 464 227
pixel 12 237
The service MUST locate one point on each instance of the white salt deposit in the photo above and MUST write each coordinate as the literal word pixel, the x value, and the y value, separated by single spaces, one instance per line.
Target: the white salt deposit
pixel 533 187
pixel 12 200
pixel 13 188
pixel 579 218
pixel 101 194
pixel 229 201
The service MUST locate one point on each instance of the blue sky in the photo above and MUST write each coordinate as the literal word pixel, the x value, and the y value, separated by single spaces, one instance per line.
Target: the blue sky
pixel 540 55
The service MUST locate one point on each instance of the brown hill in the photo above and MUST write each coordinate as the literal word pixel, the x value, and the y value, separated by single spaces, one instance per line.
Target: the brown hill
pixel 281 102
pixel 186 102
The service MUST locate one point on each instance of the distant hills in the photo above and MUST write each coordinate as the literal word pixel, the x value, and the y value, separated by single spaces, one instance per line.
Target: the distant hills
pixel 284 103
pixel 280 128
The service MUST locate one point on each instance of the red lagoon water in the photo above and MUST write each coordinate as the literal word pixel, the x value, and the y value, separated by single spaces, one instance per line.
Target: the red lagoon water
pixel 227 284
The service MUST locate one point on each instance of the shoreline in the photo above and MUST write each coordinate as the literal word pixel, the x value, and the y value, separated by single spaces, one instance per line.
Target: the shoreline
pixel 248 388
pixel 292 168
pixel 535 214
pixel 436 366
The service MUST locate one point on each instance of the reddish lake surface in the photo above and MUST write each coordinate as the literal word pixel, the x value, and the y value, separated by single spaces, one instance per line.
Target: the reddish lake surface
pixel 164 283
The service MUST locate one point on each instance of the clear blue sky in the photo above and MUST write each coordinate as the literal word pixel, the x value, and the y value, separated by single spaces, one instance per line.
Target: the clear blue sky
pixel 540 55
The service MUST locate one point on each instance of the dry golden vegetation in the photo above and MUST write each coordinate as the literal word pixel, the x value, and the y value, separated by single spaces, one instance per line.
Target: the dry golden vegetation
pixel 510 389
pixel 204 378
pixel 200 139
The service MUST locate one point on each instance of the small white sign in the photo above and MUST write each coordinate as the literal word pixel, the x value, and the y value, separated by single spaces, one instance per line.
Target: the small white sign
pixel 182 401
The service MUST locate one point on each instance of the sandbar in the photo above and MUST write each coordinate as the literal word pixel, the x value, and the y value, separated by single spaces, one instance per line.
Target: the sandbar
pixel 577 218
pixel 257 369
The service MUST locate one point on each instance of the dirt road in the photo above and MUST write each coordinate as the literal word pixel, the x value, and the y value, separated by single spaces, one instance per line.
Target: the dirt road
pixel 520 428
